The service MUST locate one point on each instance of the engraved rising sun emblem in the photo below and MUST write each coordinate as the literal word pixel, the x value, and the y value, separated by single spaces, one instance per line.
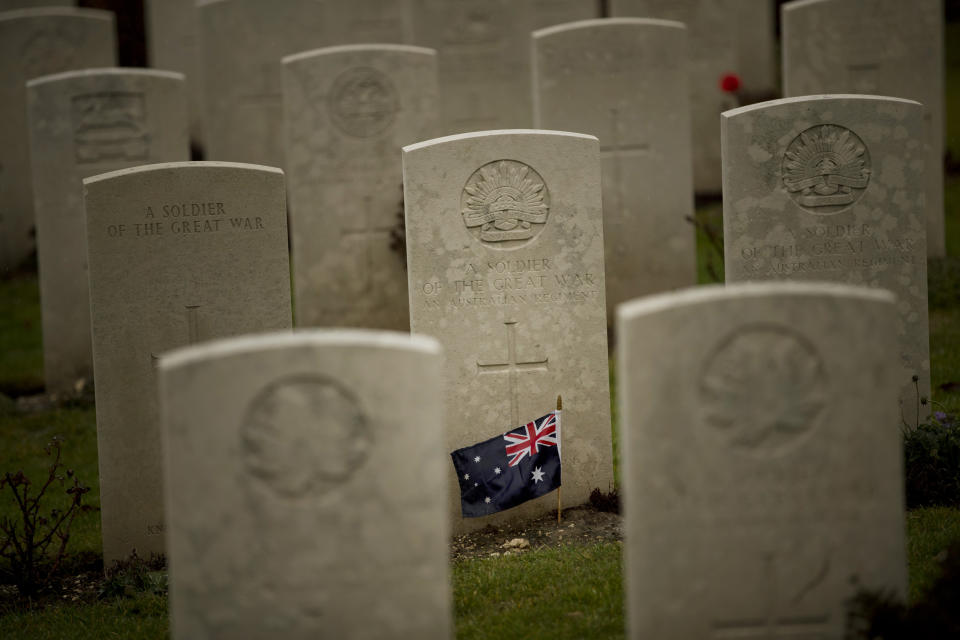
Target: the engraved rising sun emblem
pixel 762 389
pixel 826 168
pixel 505 203
pixel 363 102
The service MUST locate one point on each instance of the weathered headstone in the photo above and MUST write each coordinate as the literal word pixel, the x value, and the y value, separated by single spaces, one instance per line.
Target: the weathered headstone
pixel 83 123
pixel 883 47
pixel 323 504
pixel 242 43
pixel 832 188
pixel 505 261
pixel 37 42
pixel 179 253
pixel 756 25
pixel 348 111
pixel 762 466
pixel 712 38
pixel 173 43
pixel 484 56
pixel 624 81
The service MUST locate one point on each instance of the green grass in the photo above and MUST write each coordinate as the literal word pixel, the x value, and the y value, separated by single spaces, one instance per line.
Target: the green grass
pixel 929 532
pixel 21 355
pixel 566 592
pixel 143 617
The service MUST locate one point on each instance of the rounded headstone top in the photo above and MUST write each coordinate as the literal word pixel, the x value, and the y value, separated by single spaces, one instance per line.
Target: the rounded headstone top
pixel 47 12
pixel 357 48
pixel 706 294
pixel 314 338
pixel 759 106
pixel 162 166
pixel 494 133
pixel 106 71
pixel 607 22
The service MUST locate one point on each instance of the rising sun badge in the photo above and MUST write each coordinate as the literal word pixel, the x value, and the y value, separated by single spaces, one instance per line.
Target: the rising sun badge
pixel 505 203
pixel 826 169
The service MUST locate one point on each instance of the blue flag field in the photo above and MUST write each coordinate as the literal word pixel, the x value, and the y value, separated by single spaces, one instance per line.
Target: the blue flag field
pixel 509 469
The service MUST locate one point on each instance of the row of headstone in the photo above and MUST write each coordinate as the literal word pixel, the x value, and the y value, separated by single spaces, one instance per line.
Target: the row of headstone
pixel 513 290
pixel 741 409
pixel 33 43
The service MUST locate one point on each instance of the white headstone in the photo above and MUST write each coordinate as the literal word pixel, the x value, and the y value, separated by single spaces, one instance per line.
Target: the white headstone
pixel 712 37
pixel 484 56
pixel 348 111
pixel 179 253
pixel 624 81
pixel 83 123
pixel 762 464
pixel 832 188
pixel 242 43
pixel 322 508
pixel 173 43
pixel 37 42
pixel 505 262
pixel 883 47
pixel 757 48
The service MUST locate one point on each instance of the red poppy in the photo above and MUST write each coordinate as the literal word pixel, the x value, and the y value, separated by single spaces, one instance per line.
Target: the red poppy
pixel 730 82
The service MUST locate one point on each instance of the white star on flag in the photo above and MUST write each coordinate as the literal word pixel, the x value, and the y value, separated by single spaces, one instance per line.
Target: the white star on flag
pixel 496 470
pixel 477 459
pixel 487 499
pixel 537 475
pixel 466 476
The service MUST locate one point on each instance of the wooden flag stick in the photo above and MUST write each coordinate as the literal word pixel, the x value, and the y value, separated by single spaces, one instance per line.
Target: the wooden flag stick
pixel 560 488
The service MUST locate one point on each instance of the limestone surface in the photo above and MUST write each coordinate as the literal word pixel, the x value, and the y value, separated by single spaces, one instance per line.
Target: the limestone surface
pixel 484 56
pixel 624 80
pixel 884 47
pixel 831 188
pixel 348 111
pixel 173 44
pixel 179 253
pixel 83 123
pixel 713 53
pixel 505 263
pixel 242 43
pixel 762 464
pixel 33 43
pixel 323 504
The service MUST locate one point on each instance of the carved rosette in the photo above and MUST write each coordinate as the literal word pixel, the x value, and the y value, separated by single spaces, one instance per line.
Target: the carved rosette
pixel 303 436
pixel 505 204
pixel 762 389
pixel 826 169
pixel 363 102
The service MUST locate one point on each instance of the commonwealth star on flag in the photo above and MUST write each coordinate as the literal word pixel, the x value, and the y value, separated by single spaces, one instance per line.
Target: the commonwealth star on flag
pixel 509 469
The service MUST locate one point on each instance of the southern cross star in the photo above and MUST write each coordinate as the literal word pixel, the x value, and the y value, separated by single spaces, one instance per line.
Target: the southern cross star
pixel 487 499
pixel 466 476
pixel 496 470
pixel 476 459
pixel 537 475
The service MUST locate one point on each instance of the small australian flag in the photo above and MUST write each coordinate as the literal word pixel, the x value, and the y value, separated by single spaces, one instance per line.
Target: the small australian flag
pixel 511 468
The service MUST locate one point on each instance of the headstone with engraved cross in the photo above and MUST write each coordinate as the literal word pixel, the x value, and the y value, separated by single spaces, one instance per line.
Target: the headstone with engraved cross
pixel 882 47
pixel 712 29
pixel 178 253
pixel 831 188
pixel 505 257
pixel 348 111
pixel 37 42
pixel 242 44
pixel 83 123
pixel 630 84
pixel 762 466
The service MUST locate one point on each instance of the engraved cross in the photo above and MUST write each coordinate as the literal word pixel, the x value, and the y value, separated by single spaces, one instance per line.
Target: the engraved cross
pixel 367 231
pixel 193 330
pixel 513 367
pixel 774 625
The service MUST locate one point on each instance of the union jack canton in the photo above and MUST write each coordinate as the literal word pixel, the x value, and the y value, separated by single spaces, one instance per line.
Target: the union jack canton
pixel 509 469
